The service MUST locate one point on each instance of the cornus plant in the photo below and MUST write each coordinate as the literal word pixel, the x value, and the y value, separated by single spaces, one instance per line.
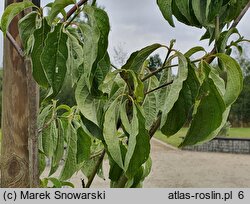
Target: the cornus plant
pixel 118 110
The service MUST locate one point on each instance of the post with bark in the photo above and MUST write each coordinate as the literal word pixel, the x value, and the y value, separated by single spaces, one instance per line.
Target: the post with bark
pixel 19 161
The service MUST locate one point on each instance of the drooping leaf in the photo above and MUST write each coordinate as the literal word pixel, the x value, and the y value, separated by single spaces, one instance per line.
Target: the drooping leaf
pixel 199 8
pixel 48 138
pixel 87 104
pixel 178 14
pixel 95 34
pixel 75 57
pixel 39 42
pixel 150 104
pixel 93 129
pixel 166 10
pixel 70 165
pixel 175 88
pixel 110 132
pixel 58 155
pixel 214 10
pixel 137 58
pixel 181 110
pixel 234 82
pixel 124 117
pixel 42 162
pixel 162 94
pixel 26 27
pixel 138 145
pixel 209 115
pixel 57 7
pixel 183 6
pixel 11 11
pixel 103 67
pixel 54 58
pixel 223 39
pixel 83 145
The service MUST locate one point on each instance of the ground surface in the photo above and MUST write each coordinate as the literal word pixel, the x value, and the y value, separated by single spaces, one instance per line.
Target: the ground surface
pixel 174 169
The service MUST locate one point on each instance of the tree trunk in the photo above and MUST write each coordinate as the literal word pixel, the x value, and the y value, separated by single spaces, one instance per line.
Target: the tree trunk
pixel 19 165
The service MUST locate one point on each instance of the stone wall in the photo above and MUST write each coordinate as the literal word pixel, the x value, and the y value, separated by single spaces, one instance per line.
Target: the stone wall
pixel 226 145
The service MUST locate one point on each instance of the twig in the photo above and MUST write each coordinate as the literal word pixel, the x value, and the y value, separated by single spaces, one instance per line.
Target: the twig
pixel 165 67
pixel 92 176
pixel 72 19
pixel 159 87
pixel 15 44
pixel 73 9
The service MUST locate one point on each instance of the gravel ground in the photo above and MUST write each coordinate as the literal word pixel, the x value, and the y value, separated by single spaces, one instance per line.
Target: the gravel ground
pixel 173 168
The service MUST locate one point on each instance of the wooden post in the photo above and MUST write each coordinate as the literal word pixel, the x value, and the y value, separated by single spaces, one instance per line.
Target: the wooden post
pixel 19 165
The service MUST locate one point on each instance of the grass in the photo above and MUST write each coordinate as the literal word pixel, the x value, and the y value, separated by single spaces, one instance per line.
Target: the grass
pixel 176 139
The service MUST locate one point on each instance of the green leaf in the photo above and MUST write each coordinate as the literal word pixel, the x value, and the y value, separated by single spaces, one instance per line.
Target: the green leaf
pixel 42 162
pixel 124 117
pixel 70 165
pixel 175 88
pixel 221 44
pixel 194 50
pixel 39 42
pixel 209 115
pixel 166 10
pixel 110 132
pixel 93 129
pixel 181 110
pixel 95 35
pixel 58 154
pixel 162 94
pixel 83 145
pixel 137 86
pixel 109 81
pixel 234 83
pixel 214 9
pixel 138 144
pixel 177 13
pixel 75 57
pixel 87 104
pixel 103 68
pixel 200 10
pixel 48 137
pixel 150 103
pixel 57 7
pixel 11 11
pixel 26 27
pixel 183 6
pixel 136 60
pixel 89 166
pixel 54 58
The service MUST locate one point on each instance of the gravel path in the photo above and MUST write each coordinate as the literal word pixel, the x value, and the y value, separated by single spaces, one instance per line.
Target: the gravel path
pixel 173 168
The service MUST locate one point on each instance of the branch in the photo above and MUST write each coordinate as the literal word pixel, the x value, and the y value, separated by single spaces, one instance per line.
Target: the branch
pixel 73 9
pixel 92 176
pixel 15 44
pixel 159 87
pixel 165 67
